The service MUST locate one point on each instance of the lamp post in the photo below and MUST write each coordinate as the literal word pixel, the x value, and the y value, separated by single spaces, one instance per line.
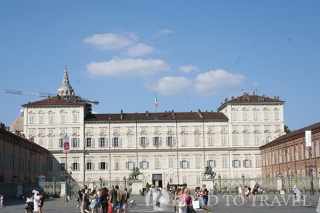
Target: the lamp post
pixel 100 179
pixel 288 176
pixel 219 176
pixel 310 171
pixel 242 179
pixel 125 181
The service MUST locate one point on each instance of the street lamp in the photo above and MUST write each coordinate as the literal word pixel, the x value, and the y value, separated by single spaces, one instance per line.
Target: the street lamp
pixel 219 176
pixel 242 179
pixel 310 171
pixel 125 181
pixel 100 182
pixel 288 176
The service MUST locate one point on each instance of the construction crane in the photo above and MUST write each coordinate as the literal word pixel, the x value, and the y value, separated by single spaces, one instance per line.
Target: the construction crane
pixel 48 95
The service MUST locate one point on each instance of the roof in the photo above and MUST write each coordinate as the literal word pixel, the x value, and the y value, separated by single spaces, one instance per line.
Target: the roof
pixel 293 134
pixel 17 125
pixel 250 99
pixel 54 101
pixel 160 116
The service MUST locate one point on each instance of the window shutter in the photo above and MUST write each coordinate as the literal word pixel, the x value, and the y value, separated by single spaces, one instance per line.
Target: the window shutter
pixel 147 165
pixel 188 164
pixel 239 163
pixel 181 164
pixel 250 163
pixel 140 141
pixel 106 141
pixel 127 165
pixel 208 163
pixel 78 166
pixel 154 141
pixel 99 142
pixel 147 142
pixel 120 142
pixel 173 141
pixel 140 165
pixel 92 142
pixel 85 142
pixel 214 163
pixel 244 163
pixel 167 141
pixel 92 166
pixel 233 163
pixel 112 142
pixel 99 165
pixel 160 141
pixel 134 164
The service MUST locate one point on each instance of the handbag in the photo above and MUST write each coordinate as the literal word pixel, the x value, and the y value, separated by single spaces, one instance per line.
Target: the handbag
pixel 110 209
pixel 182 205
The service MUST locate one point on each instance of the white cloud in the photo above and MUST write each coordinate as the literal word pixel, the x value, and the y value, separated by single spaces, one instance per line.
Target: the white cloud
pixel 172 85
pixel 256 83
pixel 165 32
pixel 127 67
pixel 139 50
pixel 110 41
pixel 189 68
pixel 213 82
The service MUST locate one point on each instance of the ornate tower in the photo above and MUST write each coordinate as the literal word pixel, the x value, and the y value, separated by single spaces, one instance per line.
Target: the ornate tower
pixel 65 88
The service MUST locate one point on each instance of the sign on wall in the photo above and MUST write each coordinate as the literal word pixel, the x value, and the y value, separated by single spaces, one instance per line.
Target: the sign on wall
pixel 66 145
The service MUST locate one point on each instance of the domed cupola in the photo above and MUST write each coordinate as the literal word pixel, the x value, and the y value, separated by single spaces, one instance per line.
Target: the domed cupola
pixel 65 88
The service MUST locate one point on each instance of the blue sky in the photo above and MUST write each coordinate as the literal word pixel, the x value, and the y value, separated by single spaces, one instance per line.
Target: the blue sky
pixel 196 53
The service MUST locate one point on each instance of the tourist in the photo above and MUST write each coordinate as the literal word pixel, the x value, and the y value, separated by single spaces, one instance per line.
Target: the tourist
pixel 204 195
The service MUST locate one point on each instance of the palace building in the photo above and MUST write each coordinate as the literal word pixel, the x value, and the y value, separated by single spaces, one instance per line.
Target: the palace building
pixel 168 146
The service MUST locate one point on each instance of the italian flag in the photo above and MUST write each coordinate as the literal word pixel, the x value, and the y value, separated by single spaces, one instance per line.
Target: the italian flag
pixel 155 99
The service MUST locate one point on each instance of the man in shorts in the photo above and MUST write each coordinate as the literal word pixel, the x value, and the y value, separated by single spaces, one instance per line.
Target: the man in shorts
pixel 204 195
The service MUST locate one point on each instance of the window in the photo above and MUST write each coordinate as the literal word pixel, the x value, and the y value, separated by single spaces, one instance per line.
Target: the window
pixel 144 164
pixel 223 128
pixel 129 141
pixel 245 128
pixel 40 119
pixel 89 129
pixel 197 161
pixel 103 164
pixel 41 142
pixel 255 115
pixel 170 141
pixel 129 129
pixel 51 119
pixel 233 115
pixel 130 165
pixel 103 142
pixel 183 140
pixel 60 142
pixel 31 119
pixel 236 163
pixel 224 161
pixel 75 118
pixel 89 142
pixel 196 140
pixel 62 166
pixel 234 140
pixel 276 115
pixel 157 141
pixel 143 141
pixel 157 162
pixel 210 140
pixel 245 140
pixel 256 139
pixel 184 163
pixel 245 115
pixel 246 162
pixel 116 129
pixel 50 143
pixel 223 140
pixel 89 165
pixel 266 115
pixel 103 130
pixel 116 142
pixel 170 162
pixel 257 159
pixel 63 119
pixel 116 163
pixel 75 142
pixel 211 163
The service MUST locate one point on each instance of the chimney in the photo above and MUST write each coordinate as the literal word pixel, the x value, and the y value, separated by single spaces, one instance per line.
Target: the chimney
pixel 199 113
pixel 121 115
pixel 254 93
pixel 232 97
pixel 147 112
pixel 173 114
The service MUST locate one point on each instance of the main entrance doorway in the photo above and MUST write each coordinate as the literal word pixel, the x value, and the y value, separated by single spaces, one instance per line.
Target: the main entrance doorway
pixel 157 180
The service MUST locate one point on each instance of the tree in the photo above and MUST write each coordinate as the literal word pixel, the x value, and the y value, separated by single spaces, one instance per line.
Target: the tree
pixel 286 129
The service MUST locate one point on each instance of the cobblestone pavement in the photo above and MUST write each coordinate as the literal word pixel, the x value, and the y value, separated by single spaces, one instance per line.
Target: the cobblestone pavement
pixel 266 203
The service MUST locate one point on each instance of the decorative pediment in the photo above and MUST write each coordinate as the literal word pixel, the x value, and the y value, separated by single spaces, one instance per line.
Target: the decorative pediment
pixel 130 133
pixel 103 134
pixel 245 131
pixel 197 132
pixel 116 134
pixel 41 135
pixel 143 132
pixel 267 131
pixel 75 134
pixel 156 133
pixel 89 134
pixel 170 133
pixel 183 133
pixel 51 135
pixel 210 132
pixel 235 131
pixel 256 131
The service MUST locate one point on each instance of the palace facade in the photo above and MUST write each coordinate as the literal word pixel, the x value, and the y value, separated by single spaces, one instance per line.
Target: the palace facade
pixel 169 146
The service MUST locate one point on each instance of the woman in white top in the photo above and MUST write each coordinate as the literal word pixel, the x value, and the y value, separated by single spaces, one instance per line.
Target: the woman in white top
pixel 29 201
pixel 240 192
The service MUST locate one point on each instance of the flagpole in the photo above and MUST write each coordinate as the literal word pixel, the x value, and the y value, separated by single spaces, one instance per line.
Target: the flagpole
pixel 156 101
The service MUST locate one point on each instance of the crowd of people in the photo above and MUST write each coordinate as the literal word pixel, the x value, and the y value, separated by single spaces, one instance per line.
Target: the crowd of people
pixel 183 202
pixel 35 201
pixel 103 200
